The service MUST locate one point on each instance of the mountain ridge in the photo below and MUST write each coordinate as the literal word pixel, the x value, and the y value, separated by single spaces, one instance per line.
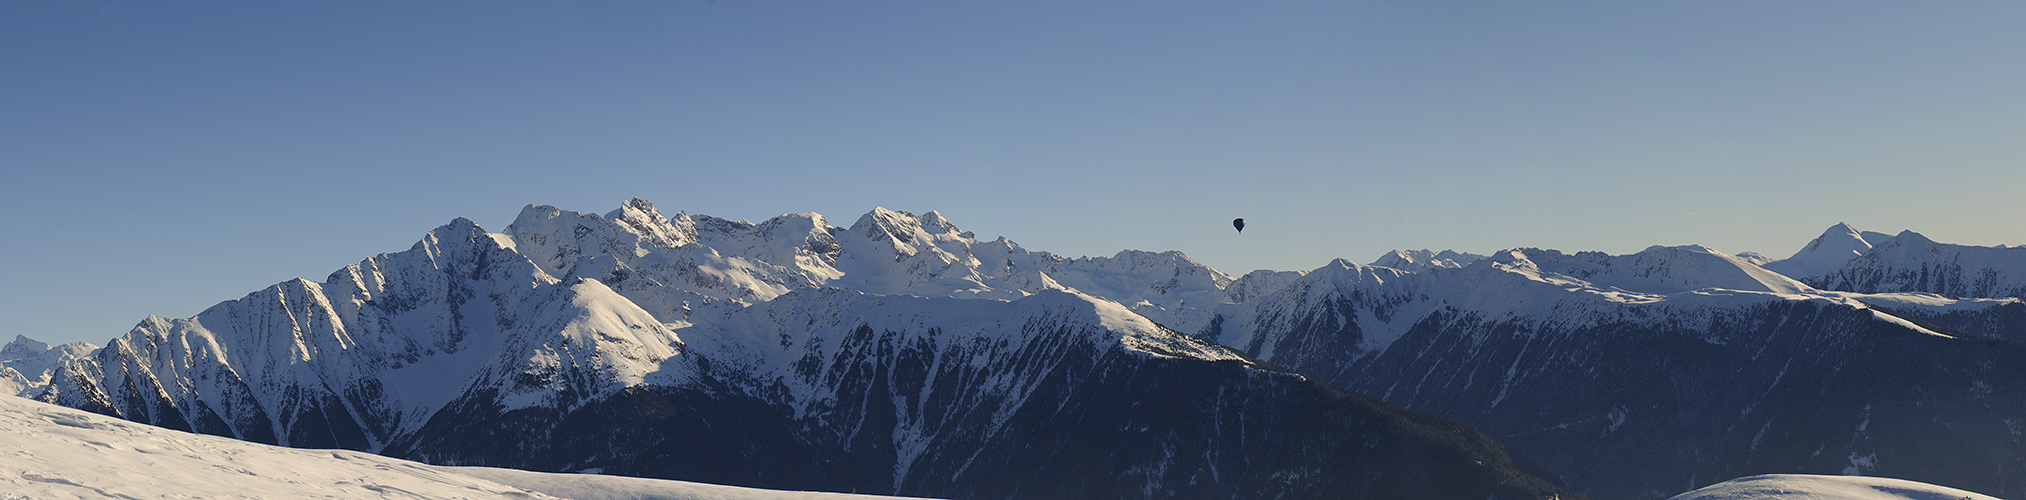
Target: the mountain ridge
pixel 566 325
pixel 575 341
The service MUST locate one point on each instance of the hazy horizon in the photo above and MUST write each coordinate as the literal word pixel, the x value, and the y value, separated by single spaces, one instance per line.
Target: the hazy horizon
pixel 163 158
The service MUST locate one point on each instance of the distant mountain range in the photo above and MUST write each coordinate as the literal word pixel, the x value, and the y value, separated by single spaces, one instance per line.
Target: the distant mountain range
pixel 901 355
pixel 1644 375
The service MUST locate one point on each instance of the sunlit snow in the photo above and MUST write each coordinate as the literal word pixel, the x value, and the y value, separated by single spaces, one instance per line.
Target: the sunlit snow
pixel 52 453
pixel 1810 487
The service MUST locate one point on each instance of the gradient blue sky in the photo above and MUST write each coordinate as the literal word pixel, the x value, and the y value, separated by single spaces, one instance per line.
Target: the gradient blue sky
pixel 160 157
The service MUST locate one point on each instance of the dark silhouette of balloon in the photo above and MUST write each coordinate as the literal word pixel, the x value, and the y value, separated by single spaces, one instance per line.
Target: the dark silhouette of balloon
pixel 1238 223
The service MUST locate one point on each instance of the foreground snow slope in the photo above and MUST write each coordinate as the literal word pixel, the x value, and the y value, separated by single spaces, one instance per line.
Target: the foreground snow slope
pixel 603 487
pixel 1811 487
pixel 52 452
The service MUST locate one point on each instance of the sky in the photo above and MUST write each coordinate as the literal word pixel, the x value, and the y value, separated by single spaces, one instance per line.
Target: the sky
pixel 160 157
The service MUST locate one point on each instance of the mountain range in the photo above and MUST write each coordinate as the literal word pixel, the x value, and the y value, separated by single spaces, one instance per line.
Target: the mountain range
pixel 896 356
pixel 901 355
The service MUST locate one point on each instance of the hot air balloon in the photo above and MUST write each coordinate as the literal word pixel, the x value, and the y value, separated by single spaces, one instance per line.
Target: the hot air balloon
pixel 1238 223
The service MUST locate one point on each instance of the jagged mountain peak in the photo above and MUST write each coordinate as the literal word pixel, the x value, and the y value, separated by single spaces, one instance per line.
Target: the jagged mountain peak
pixel 26 363
pixel 460 228
pixel 699 258
pixel 1170 261
pixel 1350 275
pixel 22 347
pixel 905 227
pixel 934 222
pixel 1259 283
pixel 1424 259
pixel 654 229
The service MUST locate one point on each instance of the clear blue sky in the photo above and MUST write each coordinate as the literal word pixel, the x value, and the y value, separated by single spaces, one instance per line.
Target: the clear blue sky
pixel 160 157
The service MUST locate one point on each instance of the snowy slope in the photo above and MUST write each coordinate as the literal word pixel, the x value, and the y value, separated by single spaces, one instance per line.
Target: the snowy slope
pixel 350 362
pixel 1755 258
pixel 970 398
pixel 56 453
pixel 1667 270
pixel 602 487
pixel 1812 487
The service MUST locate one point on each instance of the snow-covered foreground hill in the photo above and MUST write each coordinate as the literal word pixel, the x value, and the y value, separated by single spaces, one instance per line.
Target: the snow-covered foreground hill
pixel 49 452
pixel 1813 487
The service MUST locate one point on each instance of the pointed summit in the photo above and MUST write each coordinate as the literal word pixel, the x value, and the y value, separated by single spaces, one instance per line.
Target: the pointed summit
pixel 1831 250
pixel 1912 262
pixel 901 227
pixel 22 347
pixel 655 229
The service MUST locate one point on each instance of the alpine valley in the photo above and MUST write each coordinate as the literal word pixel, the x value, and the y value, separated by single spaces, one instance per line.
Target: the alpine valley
pixel 903 356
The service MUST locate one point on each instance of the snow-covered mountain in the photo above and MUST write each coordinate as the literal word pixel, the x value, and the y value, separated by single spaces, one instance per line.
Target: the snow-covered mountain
pixel 670 265
pixel 1836 246
pixel 1910 262
pixel 1415 261
pixel 903 355
pixel 57 452
pixel 25 363
pixel 897 355
pixel 1639 376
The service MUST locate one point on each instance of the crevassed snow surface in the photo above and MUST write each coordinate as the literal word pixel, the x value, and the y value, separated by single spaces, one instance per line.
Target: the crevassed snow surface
pixel 1812 487
pixel 49 452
